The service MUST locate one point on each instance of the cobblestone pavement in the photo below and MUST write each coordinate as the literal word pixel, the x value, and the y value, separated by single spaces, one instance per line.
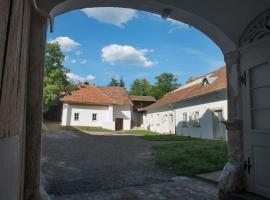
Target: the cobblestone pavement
pixel 76 165
pixel 188 189
pixel 74 162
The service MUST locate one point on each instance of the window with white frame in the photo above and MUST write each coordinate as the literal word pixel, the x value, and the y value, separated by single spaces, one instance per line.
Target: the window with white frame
pixel 76 116
pixel 196 121
pixel 94 117
pixel 185 117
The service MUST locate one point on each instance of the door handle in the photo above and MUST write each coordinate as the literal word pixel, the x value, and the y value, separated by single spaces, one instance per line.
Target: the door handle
pixel 247 165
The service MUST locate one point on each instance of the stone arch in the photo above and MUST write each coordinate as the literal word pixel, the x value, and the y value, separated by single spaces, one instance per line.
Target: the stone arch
pixel 36 59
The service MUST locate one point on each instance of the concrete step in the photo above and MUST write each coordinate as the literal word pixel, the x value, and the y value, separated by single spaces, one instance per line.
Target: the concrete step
pixel 246 196
pixel 212 177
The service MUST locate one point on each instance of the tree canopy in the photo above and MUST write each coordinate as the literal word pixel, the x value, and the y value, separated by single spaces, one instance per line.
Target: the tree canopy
pixel 165 82
pixel 117 83
pixel 55 79
pixel 140 87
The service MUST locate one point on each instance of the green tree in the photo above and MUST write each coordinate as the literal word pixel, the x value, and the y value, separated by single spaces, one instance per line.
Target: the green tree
pixel 140 87
pixel 165 82
pixel 122 82
pixel 114 82
pixel 55 78
pixel 117 83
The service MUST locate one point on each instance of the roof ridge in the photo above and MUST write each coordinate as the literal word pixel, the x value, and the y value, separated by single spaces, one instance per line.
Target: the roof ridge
pixel 97 87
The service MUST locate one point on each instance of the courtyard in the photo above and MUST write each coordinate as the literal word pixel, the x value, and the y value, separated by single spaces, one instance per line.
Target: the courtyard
pixel 105 165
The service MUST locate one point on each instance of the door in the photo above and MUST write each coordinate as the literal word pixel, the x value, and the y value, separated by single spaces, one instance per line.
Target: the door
pixel 218 127
pixel 255 79
pixel 119 124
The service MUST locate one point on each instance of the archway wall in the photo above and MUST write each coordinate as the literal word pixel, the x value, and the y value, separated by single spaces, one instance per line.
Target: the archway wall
pixel 222 21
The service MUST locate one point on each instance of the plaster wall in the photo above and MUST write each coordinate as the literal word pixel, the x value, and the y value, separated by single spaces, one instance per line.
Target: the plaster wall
pixel 125 113
pixel 157 120
pixel 205 106
pixel 85 115
pixel 106 116
pixel 10 168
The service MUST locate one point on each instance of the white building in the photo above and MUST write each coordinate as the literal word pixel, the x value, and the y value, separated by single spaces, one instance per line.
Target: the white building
pixel 194 109
pixel 106 107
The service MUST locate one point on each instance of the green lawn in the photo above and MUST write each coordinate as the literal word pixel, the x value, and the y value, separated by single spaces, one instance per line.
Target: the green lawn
pixel 152 136
pixel 193 157
pixel 168 138
pixel 91 129
pixel 141 132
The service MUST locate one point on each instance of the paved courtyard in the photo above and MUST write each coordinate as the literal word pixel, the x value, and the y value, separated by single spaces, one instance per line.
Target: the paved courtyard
pixel 76 165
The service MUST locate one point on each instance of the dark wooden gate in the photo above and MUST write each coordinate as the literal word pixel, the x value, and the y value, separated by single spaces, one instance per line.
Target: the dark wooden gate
pixel 119 124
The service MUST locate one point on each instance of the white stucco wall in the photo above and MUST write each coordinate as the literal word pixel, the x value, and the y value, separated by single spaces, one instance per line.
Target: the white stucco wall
pixel 205 106
pixel 125 113
pixel 156 119
pixel 106 116
pixel 104 119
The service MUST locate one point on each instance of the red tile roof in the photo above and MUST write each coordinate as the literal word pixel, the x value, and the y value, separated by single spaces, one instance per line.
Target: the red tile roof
pixel 142 98
pixel 93 95
pixel 194 88
pixel 118 95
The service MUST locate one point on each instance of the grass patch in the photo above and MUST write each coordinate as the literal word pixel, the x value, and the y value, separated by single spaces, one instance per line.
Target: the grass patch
pixel 191 158
pixel 91 129
pixel 141 132
pixel 153 136
pixel 168 138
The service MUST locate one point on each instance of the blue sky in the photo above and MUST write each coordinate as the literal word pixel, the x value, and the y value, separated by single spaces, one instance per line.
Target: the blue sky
pixel 100 43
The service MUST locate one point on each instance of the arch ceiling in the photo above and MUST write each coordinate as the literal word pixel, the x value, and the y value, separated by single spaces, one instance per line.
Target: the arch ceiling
pixel 223 21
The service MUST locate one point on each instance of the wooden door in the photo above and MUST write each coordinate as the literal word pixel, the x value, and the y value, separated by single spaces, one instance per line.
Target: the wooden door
pixel 255 69
pixel 119 124
pixel 218 127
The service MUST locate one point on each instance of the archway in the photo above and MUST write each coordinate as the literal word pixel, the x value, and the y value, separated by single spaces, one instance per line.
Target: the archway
pixel 26 23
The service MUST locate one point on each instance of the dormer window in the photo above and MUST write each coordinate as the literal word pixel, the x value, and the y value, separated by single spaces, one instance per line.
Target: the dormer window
pixel 205 81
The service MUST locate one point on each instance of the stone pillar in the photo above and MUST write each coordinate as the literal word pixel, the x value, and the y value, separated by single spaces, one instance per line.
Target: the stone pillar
pixel 38 28
pixel 232 178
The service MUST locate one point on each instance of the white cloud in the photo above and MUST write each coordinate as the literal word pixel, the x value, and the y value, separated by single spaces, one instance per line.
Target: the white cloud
pixel 127 55
pixel 73 61
pixel 83 62
pixel 175 24
pixel 114 16
pixel 66 43
pixel 77 78
pixel 77 53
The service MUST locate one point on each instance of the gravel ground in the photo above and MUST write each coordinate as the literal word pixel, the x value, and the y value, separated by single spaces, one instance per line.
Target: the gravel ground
pixel 75 162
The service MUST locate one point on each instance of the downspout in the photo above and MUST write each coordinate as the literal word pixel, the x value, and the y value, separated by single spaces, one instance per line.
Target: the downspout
pixel 43 13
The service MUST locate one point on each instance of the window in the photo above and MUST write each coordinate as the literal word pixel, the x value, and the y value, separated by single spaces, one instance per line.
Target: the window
pixel 165 118
pixel 94 117
pixel 184 123
pixel 196 122
pixel 76 116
